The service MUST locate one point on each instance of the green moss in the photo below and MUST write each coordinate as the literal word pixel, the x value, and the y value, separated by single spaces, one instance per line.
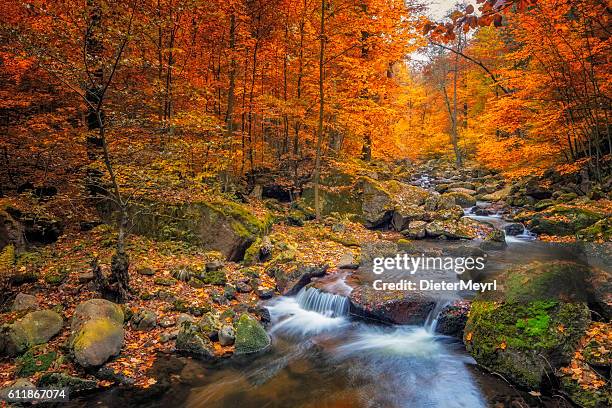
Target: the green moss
pixel 7 258
pixel 601 230
pixel 251 256
pixel 587 398
pixel 56 278
pixel 93 331
pixel 60 380
pixel 217 277
pixel 529 332
pixel 164 281
pixel 29 364
pixel 251 337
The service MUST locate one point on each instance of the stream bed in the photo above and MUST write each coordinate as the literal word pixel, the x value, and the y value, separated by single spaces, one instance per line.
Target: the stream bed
pixel 321 356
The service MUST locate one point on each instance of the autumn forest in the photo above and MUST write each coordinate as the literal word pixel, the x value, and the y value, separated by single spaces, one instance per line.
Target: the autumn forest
pixel 192 192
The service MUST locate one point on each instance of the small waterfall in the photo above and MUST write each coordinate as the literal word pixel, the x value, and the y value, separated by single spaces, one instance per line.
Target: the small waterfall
pixel 432 318
pixel 324 303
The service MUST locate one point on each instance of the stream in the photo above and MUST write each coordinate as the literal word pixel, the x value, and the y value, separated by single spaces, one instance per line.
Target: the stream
pixel 321 356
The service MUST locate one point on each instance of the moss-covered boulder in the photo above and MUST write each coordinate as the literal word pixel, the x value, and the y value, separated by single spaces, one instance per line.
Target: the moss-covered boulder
pixel 532 326
pixel 33 329
pixel 462 199
pixel 563 220
pixel 214 277
pixel 498 195
pixel 219 224
pixel 600 231
pixel 251 337
pixel 368 200
pixel 192 341
pixel 97 332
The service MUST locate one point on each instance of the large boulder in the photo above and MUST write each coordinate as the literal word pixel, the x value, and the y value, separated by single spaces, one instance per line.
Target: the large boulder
pixel 368 200
pixel 532 326
pixel 562 220
pixel 221 225
pixel 462 199
pixel 395 307
pixel 33 329
pixel 97 332
pixel 251 337
pixel 498 195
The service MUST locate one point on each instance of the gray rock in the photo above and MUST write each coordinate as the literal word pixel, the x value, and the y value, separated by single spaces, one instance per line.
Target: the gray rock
pixel 415 230
pixel 264 293
pixel 33 329
pixel 97 332
pixel 213 266
pixel 347 261
pixel 167 336
pixel 24 302
pixel 145 271
pixel 18 383
pixel 243 287
pixel 227 336
pixel 516 228
pixel 144 319
pixel 85 277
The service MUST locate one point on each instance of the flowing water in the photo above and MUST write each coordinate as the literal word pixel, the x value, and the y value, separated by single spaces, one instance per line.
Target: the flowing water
pixel 323 358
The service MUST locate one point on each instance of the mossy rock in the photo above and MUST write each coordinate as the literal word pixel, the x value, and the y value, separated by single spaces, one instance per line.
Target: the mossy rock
pixel 600 231
pixel 533 325
pixel 30 364
pixel 61 380
pixel 96 341
pixel 164 281
pixel 462 199
pixel 33 329
pixel 563 220
pixel 218 224
pixel 587 397
pixel 251 255
pixel 251 337
pixel 217 277
pixel 296 218
pixel 542 204
pixel 97 332
pixel 192 341
pixel 341 200
pixel 57 278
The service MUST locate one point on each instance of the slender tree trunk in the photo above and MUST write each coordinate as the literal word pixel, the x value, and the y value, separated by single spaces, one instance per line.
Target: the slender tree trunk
pixel 317 170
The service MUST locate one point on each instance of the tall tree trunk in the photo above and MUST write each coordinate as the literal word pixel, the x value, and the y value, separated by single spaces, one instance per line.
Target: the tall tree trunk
pixel 232 76
pixel 317 170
